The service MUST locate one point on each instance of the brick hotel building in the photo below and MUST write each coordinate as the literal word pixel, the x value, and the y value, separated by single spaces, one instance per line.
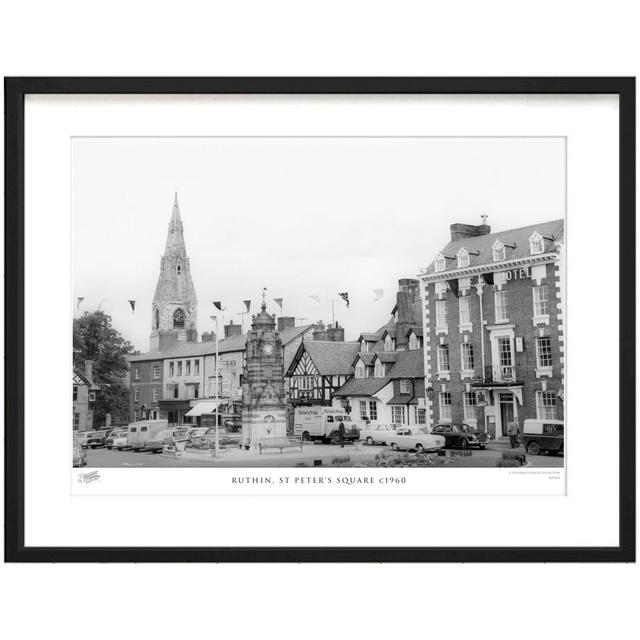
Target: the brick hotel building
pixel 493 326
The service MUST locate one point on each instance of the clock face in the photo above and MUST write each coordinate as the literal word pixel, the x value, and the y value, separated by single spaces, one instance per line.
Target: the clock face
pixel 267 349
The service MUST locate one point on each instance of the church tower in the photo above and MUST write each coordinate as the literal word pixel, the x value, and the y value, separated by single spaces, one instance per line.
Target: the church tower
pixel 263 394
pixel 174 311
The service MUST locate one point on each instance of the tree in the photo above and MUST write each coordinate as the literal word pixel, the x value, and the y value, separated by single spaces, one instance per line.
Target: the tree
pixel 95 339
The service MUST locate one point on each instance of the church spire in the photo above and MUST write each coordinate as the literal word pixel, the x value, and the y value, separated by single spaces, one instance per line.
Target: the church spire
pixel 174 307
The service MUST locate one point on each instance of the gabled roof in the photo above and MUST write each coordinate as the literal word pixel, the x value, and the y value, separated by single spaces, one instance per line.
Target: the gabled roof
pixel 387 356
pixel 80 378
pixel 227 345
pixel 330 358
pixel 415 329
pixel 369 337
pixel 516 242
pixel 410 364
pixel 362 386
pixel 365 356
pixel 388 331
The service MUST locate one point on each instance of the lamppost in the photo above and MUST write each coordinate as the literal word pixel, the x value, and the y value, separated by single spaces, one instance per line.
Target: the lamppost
pixel 217 389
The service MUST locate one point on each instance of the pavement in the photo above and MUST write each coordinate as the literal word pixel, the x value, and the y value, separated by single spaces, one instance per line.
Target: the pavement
pixel 357 453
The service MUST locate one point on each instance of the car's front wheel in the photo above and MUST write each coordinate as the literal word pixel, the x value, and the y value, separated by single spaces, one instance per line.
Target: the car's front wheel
pixel 370 441
pixel 463 443
pixel 419 448
pixel 306 436
pixel 533 449
pixel 394 446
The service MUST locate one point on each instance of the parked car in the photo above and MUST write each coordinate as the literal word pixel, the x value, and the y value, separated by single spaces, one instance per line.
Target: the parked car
pixel 165 437
pixel 543 435
pixel 232 422
pixel 117 439
pixel 225 439
pixel 139 432
pixel 96 438
pixel 81 436
pixel 462 436
pixel 417 438
pixel 79 455
pixel 378 434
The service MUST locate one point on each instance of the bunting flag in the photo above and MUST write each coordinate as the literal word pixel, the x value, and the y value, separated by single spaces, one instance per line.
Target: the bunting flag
pixel 133 305
pixel 316 298
pixel 217 304
pixel 378 293
pixel 453 286
pixel 278 301
pixel 79 301
pixel 247 303
pixel 345 296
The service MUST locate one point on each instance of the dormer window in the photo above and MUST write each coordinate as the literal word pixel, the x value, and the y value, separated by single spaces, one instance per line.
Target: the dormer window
pixel 361 370
pixel 536 243
pixel 463 258
pixel 499 252
pixel 414 342
pixel 378 369
pixel 439 264
pixel 389 343
pixel 364 347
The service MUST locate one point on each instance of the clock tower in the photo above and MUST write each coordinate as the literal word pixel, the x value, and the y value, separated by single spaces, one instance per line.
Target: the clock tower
pixel 263 393
pixel 175 306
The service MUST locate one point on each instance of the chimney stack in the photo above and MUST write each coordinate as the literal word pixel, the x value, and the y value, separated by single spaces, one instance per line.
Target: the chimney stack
pixel 335 334
pixel 209 336
pixel 286 322
pixel 319 331
pixel 460 231
pixel 232 329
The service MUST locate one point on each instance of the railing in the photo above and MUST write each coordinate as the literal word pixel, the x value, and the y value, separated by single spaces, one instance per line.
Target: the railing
pixel 502 373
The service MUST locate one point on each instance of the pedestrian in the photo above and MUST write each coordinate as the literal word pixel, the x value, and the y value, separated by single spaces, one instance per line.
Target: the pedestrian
pixel 341 432
pixel 513 430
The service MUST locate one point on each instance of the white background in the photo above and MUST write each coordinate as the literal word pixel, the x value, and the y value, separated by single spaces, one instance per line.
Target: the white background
pixel 362 38
pixel 54 517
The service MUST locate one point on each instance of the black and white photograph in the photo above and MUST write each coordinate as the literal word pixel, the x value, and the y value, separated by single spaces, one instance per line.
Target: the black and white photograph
pixel 327 301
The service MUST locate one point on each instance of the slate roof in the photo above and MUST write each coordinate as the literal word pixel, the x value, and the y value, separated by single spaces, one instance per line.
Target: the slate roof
pixel 332 358
pixel 410 364
pixel 516 241
pixel 365 356
pixel 362 386
pixel 227 345
pixel 416 329
pixel 387 356
pixel 369 337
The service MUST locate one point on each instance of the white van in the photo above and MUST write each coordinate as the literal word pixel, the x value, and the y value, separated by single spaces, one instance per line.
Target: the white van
pixel 139 432
pixel 323 423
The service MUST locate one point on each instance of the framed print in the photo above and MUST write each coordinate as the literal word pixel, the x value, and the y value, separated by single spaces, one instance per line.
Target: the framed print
pixel 320 319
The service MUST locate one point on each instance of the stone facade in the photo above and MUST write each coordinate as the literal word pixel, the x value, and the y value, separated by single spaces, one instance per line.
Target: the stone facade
pixel 264 400
pixel 174 311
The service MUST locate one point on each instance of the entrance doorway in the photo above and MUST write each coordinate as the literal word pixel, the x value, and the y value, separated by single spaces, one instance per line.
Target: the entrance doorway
pixel 507 411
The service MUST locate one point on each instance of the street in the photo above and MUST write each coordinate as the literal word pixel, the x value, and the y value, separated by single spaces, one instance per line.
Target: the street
pixel 357 454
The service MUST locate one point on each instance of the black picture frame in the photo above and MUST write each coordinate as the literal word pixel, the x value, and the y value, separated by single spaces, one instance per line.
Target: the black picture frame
pixel 15 91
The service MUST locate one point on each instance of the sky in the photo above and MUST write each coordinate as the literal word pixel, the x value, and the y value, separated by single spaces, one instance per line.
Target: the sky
pixel 300 216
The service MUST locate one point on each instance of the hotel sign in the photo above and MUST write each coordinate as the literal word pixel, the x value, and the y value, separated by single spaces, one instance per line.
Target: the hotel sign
pixel 517 274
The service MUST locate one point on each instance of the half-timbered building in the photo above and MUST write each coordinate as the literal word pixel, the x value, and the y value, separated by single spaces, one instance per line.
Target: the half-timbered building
pixel 318 369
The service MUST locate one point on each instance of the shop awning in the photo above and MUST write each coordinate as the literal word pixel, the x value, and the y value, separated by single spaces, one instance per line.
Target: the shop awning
pixel 204 407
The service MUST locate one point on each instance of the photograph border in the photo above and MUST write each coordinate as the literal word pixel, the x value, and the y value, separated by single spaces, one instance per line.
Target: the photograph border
pixel 15 91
